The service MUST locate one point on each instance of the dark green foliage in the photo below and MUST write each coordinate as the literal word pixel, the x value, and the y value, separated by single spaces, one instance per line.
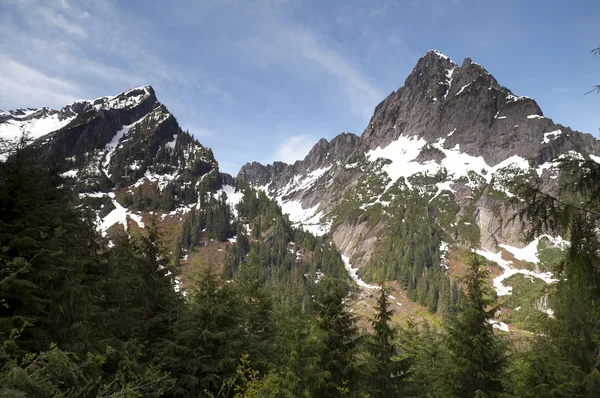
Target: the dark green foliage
pixel 74 320
pixel 425 346
pixel 167 199
pixel 477 356
pixel 410 254
pixel 256 309
pixel 46 258
pixel 339 339
pixel 208 341
pixel 387 372
pixel 291 259
pixel 217 214
pixel 573 332
pixel 540 371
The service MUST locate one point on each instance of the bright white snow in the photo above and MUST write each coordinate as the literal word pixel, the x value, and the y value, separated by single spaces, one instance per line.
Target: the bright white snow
pixel 12 129
pixel 551 136
pixel 404 151
pixel 501 289
pixel 308 219
pixel 353 272
pixel 595 158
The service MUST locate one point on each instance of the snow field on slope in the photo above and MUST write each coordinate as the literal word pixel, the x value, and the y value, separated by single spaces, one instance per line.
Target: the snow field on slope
pixel 307 219
pixel 310 220
pixel 121 101
pixel 353 272
pixel 529 253
pixel 233 198
pixel 110 148
pixel 552 135
pixel 117 216
pixel 12 130
pixel 404 151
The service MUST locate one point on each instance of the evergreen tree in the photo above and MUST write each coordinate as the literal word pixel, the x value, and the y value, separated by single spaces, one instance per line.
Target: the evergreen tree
pixel 477 356
pixel 257 310
pixel 573 332
pixel 387 372
pixel 208 341
pixel 339 339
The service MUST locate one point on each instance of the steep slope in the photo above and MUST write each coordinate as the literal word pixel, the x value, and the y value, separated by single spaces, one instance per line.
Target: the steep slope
pixel 126 154
pixel 444 154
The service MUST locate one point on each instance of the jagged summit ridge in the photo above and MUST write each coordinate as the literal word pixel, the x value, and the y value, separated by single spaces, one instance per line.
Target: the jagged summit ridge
pixel 439 97
pixel 451 131
pixel 37 122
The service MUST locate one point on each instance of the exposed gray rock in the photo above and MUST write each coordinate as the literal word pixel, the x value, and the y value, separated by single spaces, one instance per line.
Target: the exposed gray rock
pixel 443 103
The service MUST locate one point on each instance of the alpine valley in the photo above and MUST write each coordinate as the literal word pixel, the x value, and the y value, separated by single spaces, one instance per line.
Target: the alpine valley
pixel 435 175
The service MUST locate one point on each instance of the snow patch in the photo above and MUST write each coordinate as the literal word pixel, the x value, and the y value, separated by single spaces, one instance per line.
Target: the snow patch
pixel 353 272
pixel 498 283
pixel 551 136
pixel 595 158
pixel 118 216
pixel 310 220
pixel 462 89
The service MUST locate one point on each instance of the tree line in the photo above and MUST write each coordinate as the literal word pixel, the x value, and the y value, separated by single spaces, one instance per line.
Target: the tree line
pixel 80 318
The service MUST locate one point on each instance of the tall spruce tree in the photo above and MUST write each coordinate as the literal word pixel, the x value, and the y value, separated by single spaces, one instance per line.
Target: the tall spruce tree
pixel 574 329
pixel 339 339
pixel 387 371
pixel 209 340
pixel 477 356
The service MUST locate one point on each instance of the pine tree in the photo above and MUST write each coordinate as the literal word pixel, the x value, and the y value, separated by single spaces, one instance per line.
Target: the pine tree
pixel 387 372
pixel 573 214
pixel 47 258
pixel 257 309
pixel 209 340
pixel 339 339
pixel 477 355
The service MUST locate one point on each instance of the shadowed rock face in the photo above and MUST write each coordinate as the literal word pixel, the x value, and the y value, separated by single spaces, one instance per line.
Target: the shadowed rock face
pixel 439 97
pixel 115 141
pixel 322 155
pixel 450 106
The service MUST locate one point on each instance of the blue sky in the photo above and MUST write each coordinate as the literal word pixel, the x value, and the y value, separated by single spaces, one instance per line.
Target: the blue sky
pixel 265 79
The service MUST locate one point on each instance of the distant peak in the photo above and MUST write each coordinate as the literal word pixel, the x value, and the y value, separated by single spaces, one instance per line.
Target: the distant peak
pixel 126 99
pixel 147 89
pixel 438 54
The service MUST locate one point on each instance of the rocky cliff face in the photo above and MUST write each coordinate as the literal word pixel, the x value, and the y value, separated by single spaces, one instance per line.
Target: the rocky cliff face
pixel 450 132
pixel 128 145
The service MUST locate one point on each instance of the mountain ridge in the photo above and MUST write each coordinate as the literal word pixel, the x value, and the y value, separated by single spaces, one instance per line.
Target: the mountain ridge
pixel 442 154
pixel 443 116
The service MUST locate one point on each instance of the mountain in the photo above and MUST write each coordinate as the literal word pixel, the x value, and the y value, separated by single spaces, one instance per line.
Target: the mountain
pixel 128 145
pixel 436 173
pixel 451 141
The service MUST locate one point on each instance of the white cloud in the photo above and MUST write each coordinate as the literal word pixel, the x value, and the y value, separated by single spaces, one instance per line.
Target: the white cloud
pixel 302 50
pixel 293 148
pixel 23 85
pixel 109 53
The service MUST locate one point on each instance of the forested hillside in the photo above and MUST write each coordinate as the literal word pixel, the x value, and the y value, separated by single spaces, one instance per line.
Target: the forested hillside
pixel 82 317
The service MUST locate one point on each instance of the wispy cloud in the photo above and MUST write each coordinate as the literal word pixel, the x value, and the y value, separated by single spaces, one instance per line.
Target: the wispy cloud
pixel 22 85
pixel 293 148
pixel 563 89
pixel 441 8
pixel 301 49
pixel 94 46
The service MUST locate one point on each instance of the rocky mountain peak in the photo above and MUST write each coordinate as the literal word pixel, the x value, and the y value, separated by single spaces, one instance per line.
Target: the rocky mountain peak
pixel 462 105
pixel 324 153
pixel 144 95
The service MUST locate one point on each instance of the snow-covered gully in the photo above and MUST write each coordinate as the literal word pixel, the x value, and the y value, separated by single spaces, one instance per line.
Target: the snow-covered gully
pixel 353 272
